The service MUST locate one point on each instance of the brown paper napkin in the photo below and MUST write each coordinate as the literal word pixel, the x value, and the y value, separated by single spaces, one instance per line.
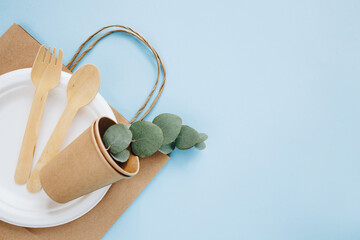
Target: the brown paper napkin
pixel 18 50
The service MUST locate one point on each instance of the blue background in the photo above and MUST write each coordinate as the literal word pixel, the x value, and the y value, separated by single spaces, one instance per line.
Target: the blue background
pixel 275 84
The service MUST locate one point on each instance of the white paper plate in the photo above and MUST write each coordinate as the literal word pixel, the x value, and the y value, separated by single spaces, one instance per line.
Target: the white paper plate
pixel 17 205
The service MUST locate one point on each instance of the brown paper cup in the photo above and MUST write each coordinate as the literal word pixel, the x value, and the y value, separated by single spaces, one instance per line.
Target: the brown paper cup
pixel 82 167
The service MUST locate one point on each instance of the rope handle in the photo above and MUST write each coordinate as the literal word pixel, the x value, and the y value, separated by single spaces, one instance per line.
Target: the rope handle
pixel 160 65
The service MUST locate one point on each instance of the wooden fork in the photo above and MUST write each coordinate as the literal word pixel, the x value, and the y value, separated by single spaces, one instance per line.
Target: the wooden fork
pixel 45 75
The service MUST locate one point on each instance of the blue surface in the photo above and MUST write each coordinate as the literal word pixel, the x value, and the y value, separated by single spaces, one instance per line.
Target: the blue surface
pixel 276 86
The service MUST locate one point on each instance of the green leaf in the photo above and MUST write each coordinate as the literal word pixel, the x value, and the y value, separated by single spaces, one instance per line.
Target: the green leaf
pixel 122 156
pixel 200 146
pixel 203 137
pixel 170 124
pixel 187 138
pixel 166 149
pixel 147 138
pixel 117 138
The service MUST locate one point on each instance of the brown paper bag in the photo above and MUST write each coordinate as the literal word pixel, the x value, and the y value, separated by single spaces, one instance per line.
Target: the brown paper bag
pixel 18 50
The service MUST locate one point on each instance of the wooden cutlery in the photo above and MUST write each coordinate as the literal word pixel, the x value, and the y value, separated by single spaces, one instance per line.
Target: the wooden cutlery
pixel 81 90
pixel 45 75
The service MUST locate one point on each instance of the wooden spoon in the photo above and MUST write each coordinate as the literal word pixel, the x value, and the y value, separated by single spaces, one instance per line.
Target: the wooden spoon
pixel 81 90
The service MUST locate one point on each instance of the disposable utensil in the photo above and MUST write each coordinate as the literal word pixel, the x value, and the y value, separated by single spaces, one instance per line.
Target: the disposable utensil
pixel 81 90
pixel 45 75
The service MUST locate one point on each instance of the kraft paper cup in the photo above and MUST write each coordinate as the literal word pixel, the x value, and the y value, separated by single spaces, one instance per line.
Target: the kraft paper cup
pixel 82 167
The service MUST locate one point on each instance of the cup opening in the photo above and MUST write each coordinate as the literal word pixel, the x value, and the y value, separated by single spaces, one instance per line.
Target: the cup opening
pixel 131 166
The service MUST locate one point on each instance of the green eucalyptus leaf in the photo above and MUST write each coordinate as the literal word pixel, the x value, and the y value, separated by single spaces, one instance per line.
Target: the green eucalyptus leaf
pixel 187 138
pixel 117 138
pixel 203 137
pixel 166 149
pixel 170 124
pixel 122 156
pixel 201 146
pixel 147 138
pixel 128 125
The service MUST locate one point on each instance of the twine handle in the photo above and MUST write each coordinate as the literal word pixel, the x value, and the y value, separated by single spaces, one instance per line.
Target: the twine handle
pixel 160 65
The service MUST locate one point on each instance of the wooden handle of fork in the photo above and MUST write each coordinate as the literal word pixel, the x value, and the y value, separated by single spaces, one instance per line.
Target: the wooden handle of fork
pixel 52 147
pixel 28 146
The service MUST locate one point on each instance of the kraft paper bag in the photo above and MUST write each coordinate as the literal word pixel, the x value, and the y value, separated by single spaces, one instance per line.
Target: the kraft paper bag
pixel 18 50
